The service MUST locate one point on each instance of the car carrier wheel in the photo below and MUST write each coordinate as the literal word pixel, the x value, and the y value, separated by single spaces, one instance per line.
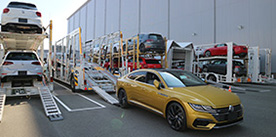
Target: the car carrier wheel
pixel 212 78
pixel 72 84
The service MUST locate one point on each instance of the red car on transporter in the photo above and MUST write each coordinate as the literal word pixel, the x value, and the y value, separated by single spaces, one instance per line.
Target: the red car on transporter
pixel 221 50
pixel 143 62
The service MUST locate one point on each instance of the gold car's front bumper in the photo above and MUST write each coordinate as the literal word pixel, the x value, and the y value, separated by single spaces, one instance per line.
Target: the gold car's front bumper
pixel 207 121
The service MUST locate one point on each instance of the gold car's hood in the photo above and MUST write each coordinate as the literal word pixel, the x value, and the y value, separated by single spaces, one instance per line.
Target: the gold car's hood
pixel 207 95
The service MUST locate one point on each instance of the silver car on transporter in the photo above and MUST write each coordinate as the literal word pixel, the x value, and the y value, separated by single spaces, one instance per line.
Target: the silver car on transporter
pixel 21 65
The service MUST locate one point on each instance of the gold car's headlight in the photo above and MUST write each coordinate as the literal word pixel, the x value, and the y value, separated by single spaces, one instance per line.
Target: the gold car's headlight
pixel 202 108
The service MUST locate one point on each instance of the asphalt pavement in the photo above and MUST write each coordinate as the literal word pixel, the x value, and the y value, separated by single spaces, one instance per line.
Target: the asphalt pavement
pixel 87 115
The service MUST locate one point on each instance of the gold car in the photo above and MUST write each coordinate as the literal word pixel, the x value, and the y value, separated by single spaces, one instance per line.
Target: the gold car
pixel 180 97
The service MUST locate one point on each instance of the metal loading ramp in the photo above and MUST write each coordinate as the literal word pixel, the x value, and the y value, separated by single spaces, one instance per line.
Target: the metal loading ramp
pixel 97 79
pixel 101 82
pixel 105 95
pixel 2 103
pixel 105 73
pixel 101 87
pixel 75 69
pixel 50 107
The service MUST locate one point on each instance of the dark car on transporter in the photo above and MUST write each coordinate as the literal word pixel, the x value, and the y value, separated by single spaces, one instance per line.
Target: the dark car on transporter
pixel 220 67
pixel 152 42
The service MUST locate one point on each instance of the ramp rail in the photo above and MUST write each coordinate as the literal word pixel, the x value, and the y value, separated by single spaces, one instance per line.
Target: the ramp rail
pixel 2 103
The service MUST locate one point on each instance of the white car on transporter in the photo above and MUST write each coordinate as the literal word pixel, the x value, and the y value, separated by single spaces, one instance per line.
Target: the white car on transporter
pixel 21 65
pixel 21 17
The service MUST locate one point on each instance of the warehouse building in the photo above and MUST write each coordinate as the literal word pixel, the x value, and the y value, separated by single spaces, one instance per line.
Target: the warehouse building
pixel 251 22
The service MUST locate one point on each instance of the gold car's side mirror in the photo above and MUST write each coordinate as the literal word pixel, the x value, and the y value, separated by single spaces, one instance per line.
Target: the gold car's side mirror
pixel 157 84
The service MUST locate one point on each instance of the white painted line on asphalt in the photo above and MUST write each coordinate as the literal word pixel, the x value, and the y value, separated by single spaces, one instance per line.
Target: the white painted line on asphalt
pixel 62 86
pixel 91 100
pixel 79 109
pixel 54 93
pixel 84 109
pixel 265 90
pixel 220 85
pixel 82 96
pixel 252 89
pixel 238 88
pixel 65 106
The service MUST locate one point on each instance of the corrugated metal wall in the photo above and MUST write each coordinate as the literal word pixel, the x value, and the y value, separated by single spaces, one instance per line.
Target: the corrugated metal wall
pixel 250 22
pixel 112 16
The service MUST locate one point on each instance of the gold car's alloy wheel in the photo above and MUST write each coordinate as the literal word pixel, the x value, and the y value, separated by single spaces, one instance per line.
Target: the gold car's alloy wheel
pixel 176 117
pixel 123 98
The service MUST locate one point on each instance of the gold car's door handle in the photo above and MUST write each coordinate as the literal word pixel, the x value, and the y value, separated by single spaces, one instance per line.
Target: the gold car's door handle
pixel 162 94
pixel 132 85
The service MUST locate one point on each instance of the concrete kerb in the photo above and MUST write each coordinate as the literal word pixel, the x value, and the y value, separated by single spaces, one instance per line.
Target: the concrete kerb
pixel 237 89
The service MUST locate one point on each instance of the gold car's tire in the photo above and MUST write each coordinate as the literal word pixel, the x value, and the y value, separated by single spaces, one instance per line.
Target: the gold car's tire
pixel 176 117
pixel 123 99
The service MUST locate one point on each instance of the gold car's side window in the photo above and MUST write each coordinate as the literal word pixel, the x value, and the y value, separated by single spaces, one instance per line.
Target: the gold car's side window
pixel 141 78
pixel 138 76
pixel 151 77
pixel 132 76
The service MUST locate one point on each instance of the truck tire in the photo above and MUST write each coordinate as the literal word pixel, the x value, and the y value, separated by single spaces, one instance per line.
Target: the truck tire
pixel 212 78
pixel 72 84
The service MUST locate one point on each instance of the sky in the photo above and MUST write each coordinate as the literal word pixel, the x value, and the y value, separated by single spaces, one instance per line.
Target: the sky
pixel 56 10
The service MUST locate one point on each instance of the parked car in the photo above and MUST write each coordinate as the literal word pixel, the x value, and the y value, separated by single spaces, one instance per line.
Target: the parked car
pixel 178 64
pixel 21 17
pixel 115 47
pixel 149 42
pixel 180 97
pixel 115 63
pixel 115 68
pixel 96 49
pixel 18 64
pixel 220 67
pixel 145 63
pixel 221 50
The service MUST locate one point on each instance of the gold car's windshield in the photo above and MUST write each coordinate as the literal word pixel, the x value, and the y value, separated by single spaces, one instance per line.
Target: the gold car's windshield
pixel 171 80
pixel 187 79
